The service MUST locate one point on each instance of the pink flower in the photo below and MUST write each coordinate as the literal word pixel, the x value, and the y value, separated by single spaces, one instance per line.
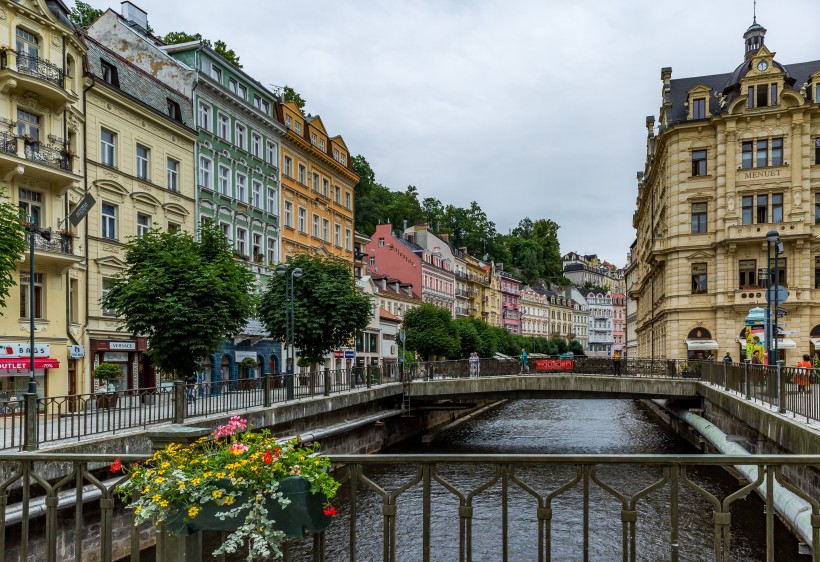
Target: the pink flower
pixel 234 424
pixel 238 448
pixel 296 470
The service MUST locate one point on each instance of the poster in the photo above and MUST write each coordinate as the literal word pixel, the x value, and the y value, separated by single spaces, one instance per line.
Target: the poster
pixel 756 342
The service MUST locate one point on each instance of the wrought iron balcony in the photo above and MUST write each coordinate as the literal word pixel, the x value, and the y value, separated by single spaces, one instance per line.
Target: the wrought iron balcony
pixel 46 155
pixel 39 68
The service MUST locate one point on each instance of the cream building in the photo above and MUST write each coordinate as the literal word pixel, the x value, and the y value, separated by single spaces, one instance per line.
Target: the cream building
pixel 535 313
pixel 41 169
pixel 140 172
pixel 735 156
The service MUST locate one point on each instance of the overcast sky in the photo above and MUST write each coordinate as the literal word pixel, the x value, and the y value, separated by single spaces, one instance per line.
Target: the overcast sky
pixel 529 107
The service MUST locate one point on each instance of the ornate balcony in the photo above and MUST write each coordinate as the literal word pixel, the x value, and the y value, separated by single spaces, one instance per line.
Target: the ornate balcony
pixel 57 252
pixel 23 72
pixel 45 162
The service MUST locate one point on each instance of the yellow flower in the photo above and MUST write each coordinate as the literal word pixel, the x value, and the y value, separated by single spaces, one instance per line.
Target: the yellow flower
pixel 156 498
pixel 196 481
pixel 217 494
pixel 228 500
pixel 138 509
pixel 182 485
pixel 220 475
pixel 166 464
pixel 146 491
pixel 163 503
pixel 160 480
pixel 193 511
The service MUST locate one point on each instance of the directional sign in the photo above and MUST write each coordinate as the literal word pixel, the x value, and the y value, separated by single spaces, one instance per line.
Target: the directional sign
pixel 781 312
pixel 780 295
pixel 81 210
pixel 788 332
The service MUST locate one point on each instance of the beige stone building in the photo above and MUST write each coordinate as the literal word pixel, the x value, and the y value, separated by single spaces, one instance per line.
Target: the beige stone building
pixel 731 157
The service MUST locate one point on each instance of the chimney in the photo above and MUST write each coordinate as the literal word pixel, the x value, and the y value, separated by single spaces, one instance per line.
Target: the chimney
pixel 135 16
pixel 384 283
pixel 444 236
pixel 398 285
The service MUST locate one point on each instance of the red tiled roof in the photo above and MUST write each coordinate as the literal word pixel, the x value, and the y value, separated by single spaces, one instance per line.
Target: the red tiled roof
pixel 384 315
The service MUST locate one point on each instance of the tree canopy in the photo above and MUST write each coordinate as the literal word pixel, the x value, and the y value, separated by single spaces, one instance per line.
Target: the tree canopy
pixel 83 14
pixel 431 332
pixel 12 245
pixel 329 308
pixel 186 295
pixel 221 48
pixel 292 95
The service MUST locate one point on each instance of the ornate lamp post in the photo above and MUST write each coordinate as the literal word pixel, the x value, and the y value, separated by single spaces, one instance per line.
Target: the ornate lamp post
pixel 773 240
pixel 290 325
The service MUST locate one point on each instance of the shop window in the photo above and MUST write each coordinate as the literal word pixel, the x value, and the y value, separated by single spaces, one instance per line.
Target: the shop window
pixel 747 271
pixel 698 278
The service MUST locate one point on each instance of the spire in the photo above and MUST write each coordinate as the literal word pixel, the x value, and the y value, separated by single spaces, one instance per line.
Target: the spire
pixel 753 38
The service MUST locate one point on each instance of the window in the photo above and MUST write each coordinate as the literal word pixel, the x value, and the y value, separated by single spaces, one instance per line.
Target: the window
pixel 817 147
pixel 302 220
pixel 746 272
pixel 747 209
pixel 780 272
pixel 273 201
pixel 256 145
pixel 272 257
pixel 226 230
pixel 73 300
pixel 325 187
pixel 205 116
pixel 326 230
pixel 381 242
pixel 257 102
pixel 322 145
pixel 762 153
pixel 699 217
pixel 298 128
pixel 265 107
pixel 109 221
pixel 347 199
pixel 337 234
pixel 232 85
pixel 173 175
pixel 174 111
pixel 288 166
pixel 142 162
pixel 205 172
pixel 272 157
pixel 288 213
pixel 109 73
pixel 817 272
pixel 777 207
pixel 243 92
pixel 315 182
pixel 336 154
pixel 143 224
pixel 698 162
pixel 313 139
pixel 288 121
pixel 242 241
pixel 316 226
pixel 762 95
pixel 347 239
pixel 31 206
pixel 28 125
pixel 699 108
pixel 750 97
pixel 213 71
pixel 337 194
pixel 773 100
pixel 777 152
pixel 817 208
pixel 698 278
pixel 224 180
pixel 256 194
pixel 746 157
pixel 241 136
pixel 222 127
pixel 257 245
pixel 174 227
pixel 762 209
pixel 302 173
pixel 242 187
pixel 108 143
pixel 106 284
pixel 27 48
pixel 343 159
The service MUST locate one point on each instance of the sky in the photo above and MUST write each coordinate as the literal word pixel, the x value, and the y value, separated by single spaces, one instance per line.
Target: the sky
pixel 531 108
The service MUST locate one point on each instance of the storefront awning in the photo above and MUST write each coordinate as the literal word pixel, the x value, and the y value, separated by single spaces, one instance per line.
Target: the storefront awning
pixel 786 343
pixel 698 345
pixel 25 363
pixel 815 342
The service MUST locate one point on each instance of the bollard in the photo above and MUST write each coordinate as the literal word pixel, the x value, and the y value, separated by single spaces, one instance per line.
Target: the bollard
pixel 180 401
pixel 30 435
pixel 781 389
pixel 746 379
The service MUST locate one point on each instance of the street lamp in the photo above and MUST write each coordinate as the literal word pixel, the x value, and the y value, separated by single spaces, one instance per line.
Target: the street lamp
pixel 773 239
pixel 45 234
pixel 402 337
pixel 290 325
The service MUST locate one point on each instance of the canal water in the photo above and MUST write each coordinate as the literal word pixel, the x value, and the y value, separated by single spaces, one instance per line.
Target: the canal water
pixel 555 427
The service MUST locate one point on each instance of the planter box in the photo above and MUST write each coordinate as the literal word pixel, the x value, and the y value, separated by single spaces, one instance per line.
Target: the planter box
pixel 303 516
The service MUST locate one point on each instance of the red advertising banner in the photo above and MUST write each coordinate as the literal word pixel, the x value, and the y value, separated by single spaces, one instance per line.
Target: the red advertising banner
pixel 554 364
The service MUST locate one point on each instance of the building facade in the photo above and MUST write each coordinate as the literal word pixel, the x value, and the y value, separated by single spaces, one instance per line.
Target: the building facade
pixel 631 349
pixel 535 313
pixel 600 324
pixel 510 289
pixel 734 156
pixel 580 318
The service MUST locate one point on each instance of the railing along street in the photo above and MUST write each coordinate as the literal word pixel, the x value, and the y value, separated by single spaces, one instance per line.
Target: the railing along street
pixel 50 514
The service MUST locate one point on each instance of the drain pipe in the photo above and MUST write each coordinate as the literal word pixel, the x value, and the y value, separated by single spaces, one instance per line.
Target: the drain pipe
pixel 792 508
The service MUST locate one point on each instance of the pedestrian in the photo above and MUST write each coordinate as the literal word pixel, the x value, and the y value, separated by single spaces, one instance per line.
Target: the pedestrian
pixel 190 381
pixel 616 363
pixel 803 378
pixel 473 364
pixel 756 358
pixel 727 359
pixel 523 361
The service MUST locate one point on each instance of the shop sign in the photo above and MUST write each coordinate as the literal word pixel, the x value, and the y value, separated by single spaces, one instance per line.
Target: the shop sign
pixel 240 355
pixel 115 357
pixel 124 345
pixel 338 354
pixel 24 350
pixel 350 354
pixel 76 352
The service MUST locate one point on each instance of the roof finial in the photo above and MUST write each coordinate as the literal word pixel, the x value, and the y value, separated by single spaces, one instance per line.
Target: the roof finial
pixel 754 12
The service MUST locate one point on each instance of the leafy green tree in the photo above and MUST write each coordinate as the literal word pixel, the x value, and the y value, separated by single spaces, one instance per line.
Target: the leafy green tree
pixel 468 336
pixel 575 347
pixel 431 331
pixel 372 198
pixel 186 295
pixel 177 37
pixel 292 95
pixel 83 14
pixel 12 245
pixel 328 307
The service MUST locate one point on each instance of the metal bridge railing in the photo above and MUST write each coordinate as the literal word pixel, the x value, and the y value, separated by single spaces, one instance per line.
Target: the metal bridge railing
pixel 48 517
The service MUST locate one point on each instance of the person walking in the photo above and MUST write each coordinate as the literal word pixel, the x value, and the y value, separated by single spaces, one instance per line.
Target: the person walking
pixel 727 358
pixel 523 361
pixel 473 364
pixel 190 382
pixel 616 363
pixel 803 378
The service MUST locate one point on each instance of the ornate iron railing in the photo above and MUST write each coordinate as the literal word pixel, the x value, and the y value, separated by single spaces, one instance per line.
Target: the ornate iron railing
pixel 48 501
pixel 40 68
pixel 47 155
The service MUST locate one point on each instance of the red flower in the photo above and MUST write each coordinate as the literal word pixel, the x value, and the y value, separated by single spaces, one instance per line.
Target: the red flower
pixel 331 510
pixel 116 466
pixel 276 452
pixel 268 457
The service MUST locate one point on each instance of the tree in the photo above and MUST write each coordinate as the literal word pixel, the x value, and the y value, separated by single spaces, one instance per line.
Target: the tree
pixel 186 295
pixel 431 331
pixel 329 308
pixel 12 245
pixel 292 95
pixel 575 347
pixel 220 47
pixel 83 15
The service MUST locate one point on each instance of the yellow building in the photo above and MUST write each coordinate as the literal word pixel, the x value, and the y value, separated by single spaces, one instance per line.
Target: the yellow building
pixel 317 188
pixel 140 172
pixel 42 169
pixel 492 296
pixel 478 283
pixel 736 155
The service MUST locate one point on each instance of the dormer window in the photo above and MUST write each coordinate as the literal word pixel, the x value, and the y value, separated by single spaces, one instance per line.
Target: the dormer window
pixel 109 73
pixel 174 111
pixel 699 108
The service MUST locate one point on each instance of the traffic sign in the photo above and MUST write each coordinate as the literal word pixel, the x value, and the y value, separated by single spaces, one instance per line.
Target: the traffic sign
pixel 781 312
pixel 788 332
pixel 780 295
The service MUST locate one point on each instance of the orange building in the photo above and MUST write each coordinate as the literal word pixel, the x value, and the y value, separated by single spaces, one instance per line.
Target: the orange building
pixel 317 188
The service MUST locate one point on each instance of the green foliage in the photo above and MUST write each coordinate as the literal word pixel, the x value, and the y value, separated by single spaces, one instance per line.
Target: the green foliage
pixel 589 286
pixel 575 347
pixel 431 332
pixel 107 371
pixel 83 14
pixel 185 295
pixel 292 95
pixel 248 363
pixel 12 246
pixel 221 48
pixel 329 308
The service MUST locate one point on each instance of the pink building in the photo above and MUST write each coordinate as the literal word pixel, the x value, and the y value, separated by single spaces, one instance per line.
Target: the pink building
pixel 391 254
pixel 510 288
pixel 618 322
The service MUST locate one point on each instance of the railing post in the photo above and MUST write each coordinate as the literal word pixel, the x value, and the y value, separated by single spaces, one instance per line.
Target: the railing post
pixel 266 389
pixel 368 373
pixel 746 379
pixel 327 382
pixel 725 378
pixel 180 401
pixel 781 389
pixel 30 442
pixel 289 390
